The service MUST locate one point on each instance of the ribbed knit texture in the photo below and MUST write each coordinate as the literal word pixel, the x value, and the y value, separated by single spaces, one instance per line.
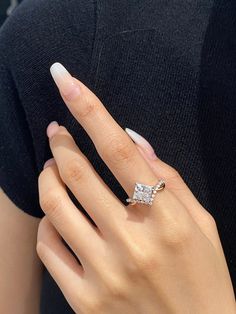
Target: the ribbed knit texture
pixel 166 69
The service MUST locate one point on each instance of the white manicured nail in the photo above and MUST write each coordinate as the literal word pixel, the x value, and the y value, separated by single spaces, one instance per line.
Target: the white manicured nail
pixel 67 85
pixel 142 143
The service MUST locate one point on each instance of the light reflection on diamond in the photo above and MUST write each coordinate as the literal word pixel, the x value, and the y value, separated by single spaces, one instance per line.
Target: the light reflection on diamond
pixel 143 192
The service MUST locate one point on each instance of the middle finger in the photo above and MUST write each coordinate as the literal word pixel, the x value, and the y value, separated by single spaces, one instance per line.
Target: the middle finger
pixel 78 174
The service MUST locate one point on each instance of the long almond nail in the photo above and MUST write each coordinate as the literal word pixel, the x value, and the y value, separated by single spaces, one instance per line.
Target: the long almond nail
pixel 66 83
pixel 142 143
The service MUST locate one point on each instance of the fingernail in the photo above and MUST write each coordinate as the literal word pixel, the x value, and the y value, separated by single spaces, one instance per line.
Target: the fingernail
pixel 66 83
pixel 142 143
pixel 52 128
pixel 49 162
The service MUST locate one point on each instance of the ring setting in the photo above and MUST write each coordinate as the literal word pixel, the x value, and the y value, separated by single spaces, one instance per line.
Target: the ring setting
pixel 145 194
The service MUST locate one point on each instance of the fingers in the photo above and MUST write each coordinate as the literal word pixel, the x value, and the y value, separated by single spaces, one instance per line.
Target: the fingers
pixel 60 263
pixel 73 226
pixel 79 175
pixel 111 141
pixel 107 211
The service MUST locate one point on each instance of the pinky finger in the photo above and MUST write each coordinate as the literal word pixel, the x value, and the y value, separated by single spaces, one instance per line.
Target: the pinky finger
pixel 61 264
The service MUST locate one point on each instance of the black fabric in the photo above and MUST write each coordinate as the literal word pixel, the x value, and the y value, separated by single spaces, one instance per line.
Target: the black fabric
pixel 166 69
pixel 6 7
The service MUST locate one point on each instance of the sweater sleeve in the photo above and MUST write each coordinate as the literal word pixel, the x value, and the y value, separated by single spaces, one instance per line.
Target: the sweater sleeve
pixel 18 173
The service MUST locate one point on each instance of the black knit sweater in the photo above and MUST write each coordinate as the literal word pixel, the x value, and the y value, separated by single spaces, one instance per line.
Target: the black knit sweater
pixel 166 69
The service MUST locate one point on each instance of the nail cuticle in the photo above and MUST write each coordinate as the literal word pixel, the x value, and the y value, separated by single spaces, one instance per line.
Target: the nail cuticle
pixel 72 94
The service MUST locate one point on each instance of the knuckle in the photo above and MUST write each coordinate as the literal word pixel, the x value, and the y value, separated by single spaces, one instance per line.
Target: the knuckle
pixel 41 176
pixel 40 250
pixel 105 200
pixel 114 287
pixel 93 305
pixel 51 202
pixel 142 262
pixel 118 149
pixel 209 220
pixel 89 108
pixel 79 302
pixel 175 180
pixel 176 236
pixel 174 174
pixel 73 170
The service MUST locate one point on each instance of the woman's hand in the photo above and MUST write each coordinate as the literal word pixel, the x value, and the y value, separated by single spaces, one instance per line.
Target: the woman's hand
pixel 165 259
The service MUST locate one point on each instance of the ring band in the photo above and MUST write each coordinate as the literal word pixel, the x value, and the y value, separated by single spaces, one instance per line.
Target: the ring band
pixel 145 194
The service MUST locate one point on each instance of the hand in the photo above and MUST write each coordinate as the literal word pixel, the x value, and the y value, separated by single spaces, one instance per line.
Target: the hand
pixel 165 259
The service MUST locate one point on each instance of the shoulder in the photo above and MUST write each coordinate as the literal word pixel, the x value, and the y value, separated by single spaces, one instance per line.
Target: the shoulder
pixel 41 32
pixel 37 34
pixel 36 27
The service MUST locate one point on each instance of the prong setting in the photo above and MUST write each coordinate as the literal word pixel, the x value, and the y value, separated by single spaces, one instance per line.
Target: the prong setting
pixel 145 194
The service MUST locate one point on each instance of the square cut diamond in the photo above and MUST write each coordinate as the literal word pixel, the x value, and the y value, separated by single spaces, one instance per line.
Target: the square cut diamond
pixel 143 193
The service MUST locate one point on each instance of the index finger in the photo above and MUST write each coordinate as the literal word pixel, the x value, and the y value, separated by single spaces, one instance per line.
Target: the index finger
pixel 112 143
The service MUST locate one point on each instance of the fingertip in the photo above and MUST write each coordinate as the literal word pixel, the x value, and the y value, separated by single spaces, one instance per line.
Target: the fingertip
pixel 52 128
pixel 49 163
pixel 57 70
pixel 66 83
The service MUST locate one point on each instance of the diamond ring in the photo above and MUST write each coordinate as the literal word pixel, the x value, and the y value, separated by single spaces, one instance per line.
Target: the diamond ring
pixel 145 194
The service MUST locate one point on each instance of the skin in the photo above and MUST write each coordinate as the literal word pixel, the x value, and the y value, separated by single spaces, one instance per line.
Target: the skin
pixel 165 259
pixel 20 267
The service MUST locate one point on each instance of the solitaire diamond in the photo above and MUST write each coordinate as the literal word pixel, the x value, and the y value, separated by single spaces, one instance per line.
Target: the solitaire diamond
pixel 143 193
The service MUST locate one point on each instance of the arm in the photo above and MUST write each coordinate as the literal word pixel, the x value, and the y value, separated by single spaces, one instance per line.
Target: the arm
pixel 20 267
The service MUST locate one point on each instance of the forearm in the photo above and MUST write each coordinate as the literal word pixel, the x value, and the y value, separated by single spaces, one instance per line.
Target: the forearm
pixel 20 267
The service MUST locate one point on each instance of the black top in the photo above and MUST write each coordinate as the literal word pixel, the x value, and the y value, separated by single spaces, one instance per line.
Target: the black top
pixel 6 8
pixel 166 69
